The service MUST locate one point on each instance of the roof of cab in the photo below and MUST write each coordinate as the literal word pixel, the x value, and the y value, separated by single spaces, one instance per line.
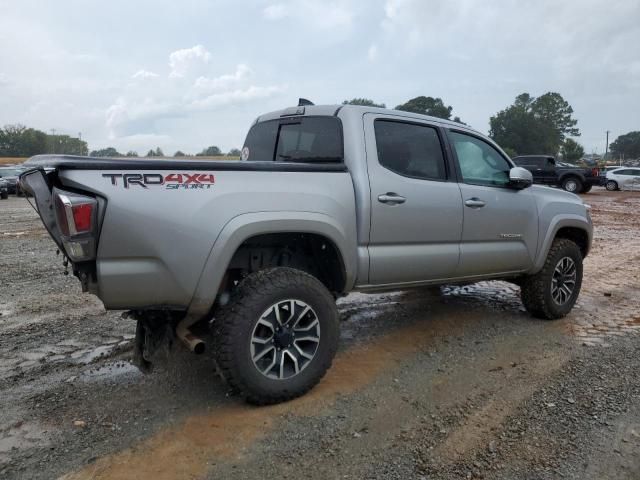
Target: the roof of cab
pixel 330 110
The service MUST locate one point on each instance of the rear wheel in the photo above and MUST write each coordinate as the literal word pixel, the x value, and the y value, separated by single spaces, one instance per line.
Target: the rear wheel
pixel 552 292
pixel 586 189
pixel 4 195
pixel 572 184
pixel 611 185
pixel 278 335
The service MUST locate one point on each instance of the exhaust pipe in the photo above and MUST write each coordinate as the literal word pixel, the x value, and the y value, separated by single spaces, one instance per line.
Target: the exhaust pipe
pixel 191 341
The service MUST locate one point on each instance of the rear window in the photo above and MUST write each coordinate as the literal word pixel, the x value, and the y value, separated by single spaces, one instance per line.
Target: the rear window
pixel 304 139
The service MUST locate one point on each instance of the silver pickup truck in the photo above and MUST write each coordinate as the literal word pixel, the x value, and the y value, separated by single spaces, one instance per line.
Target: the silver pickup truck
pixel 251 255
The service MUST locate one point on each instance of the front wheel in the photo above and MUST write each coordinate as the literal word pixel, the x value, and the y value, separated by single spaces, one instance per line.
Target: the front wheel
pixel 572 184
pixel 611 185
pixel 552 292
pixel 278 335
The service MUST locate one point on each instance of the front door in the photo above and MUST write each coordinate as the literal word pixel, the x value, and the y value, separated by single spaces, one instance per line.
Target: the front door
pixel 500 231
pixel 416 208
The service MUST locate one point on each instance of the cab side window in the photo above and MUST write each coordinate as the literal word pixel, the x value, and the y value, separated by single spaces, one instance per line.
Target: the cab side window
pixel 410 150
pixel 480 163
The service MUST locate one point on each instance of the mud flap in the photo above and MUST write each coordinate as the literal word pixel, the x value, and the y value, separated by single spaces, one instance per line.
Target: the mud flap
pixel 152 339
pixel 139 360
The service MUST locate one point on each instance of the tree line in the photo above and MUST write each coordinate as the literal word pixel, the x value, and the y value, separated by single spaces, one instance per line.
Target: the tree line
pixel 21 141
pixel 531 125
pixel 211 151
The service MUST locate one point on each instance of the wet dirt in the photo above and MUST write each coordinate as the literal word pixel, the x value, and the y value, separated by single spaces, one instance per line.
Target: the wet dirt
pixel 427 384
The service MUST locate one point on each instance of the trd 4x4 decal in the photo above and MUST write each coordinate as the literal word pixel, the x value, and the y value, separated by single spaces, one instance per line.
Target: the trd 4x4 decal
pixel 173 181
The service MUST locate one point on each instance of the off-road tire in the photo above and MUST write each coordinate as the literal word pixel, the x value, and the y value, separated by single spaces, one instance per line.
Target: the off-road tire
pixel 611 185
pixel 535 290
pixel 234 324
pixel 568 182
pixel 4 195
pixel 586 189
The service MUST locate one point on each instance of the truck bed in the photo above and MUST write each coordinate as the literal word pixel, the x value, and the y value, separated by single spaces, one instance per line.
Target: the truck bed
pixel 161 220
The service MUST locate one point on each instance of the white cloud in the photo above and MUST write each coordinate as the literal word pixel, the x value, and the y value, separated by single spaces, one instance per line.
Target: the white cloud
pixel 184 61
pixel 236 96
pixel 144 74
pixel 372 53
pixel 190 88
pixel 4 79
pixel 276 11
pixel 224 81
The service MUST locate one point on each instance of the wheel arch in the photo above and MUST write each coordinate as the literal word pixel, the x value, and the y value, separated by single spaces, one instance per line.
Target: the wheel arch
pixel 251 228
pixel 572 227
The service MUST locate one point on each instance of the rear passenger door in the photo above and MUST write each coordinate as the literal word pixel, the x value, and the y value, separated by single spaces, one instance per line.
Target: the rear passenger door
pixel 416 208
pixel 500 231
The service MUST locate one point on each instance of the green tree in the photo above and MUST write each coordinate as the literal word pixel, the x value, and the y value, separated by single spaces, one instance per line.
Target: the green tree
pixel 20 141
pixel 106 152
pixel 212 151
pixel 365 102
pixel 510 151
pixel 179 153
pixel 132 153
pixel 534 125
pixel 627 145
pixel 234 152
pixel 571 150
pixel 434 107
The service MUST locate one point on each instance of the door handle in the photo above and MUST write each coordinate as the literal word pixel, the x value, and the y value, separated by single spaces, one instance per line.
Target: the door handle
pixel 474 203
pixel 391 198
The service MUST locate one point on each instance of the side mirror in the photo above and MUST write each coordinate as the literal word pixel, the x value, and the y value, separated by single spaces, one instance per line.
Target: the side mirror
pixel 520 178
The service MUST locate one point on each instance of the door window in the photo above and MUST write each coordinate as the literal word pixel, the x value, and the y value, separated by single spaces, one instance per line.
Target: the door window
pixel 480 163
pixel 410 150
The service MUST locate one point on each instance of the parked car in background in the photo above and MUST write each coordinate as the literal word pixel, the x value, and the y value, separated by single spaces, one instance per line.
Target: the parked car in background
pixel 623 178
pixel 4 189
pixel 10 175
pixel 547 170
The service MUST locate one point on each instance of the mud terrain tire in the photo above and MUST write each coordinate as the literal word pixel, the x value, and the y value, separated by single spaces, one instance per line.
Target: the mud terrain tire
pixel 235 334
pixel 536 290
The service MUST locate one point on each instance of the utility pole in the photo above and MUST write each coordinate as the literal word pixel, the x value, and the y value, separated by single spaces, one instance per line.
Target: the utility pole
pixel 606 148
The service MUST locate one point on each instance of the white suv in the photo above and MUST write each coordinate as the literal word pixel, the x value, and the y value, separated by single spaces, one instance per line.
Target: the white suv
pixel 623 179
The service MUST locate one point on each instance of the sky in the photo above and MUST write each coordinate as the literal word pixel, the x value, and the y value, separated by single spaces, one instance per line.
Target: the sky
pixel 183 75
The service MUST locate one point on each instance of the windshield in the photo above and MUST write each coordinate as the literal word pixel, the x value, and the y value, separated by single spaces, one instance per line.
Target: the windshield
pixel 303 139
pixel 567 165
pixel 9 172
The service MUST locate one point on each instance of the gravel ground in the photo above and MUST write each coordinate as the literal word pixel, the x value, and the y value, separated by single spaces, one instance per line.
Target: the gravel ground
pixel 456 383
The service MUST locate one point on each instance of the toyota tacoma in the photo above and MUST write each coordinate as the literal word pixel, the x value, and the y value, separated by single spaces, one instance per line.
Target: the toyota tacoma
pixel 250 255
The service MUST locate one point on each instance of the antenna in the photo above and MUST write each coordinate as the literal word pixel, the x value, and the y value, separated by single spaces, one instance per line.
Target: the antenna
pixel 303 102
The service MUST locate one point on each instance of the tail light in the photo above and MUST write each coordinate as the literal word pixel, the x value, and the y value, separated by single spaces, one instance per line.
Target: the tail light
pixel 76 220
pixel 595 171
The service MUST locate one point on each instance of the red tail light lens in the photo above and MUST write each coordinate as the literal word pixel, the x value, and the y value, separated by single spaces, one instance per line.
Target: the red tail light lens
pixel 595 172
pixel 75 213
pixel 82 215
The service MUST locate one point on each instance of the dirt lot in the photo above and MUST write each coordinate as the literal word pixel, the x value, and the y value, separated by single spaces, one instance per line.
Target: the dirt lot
pixel 460 383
